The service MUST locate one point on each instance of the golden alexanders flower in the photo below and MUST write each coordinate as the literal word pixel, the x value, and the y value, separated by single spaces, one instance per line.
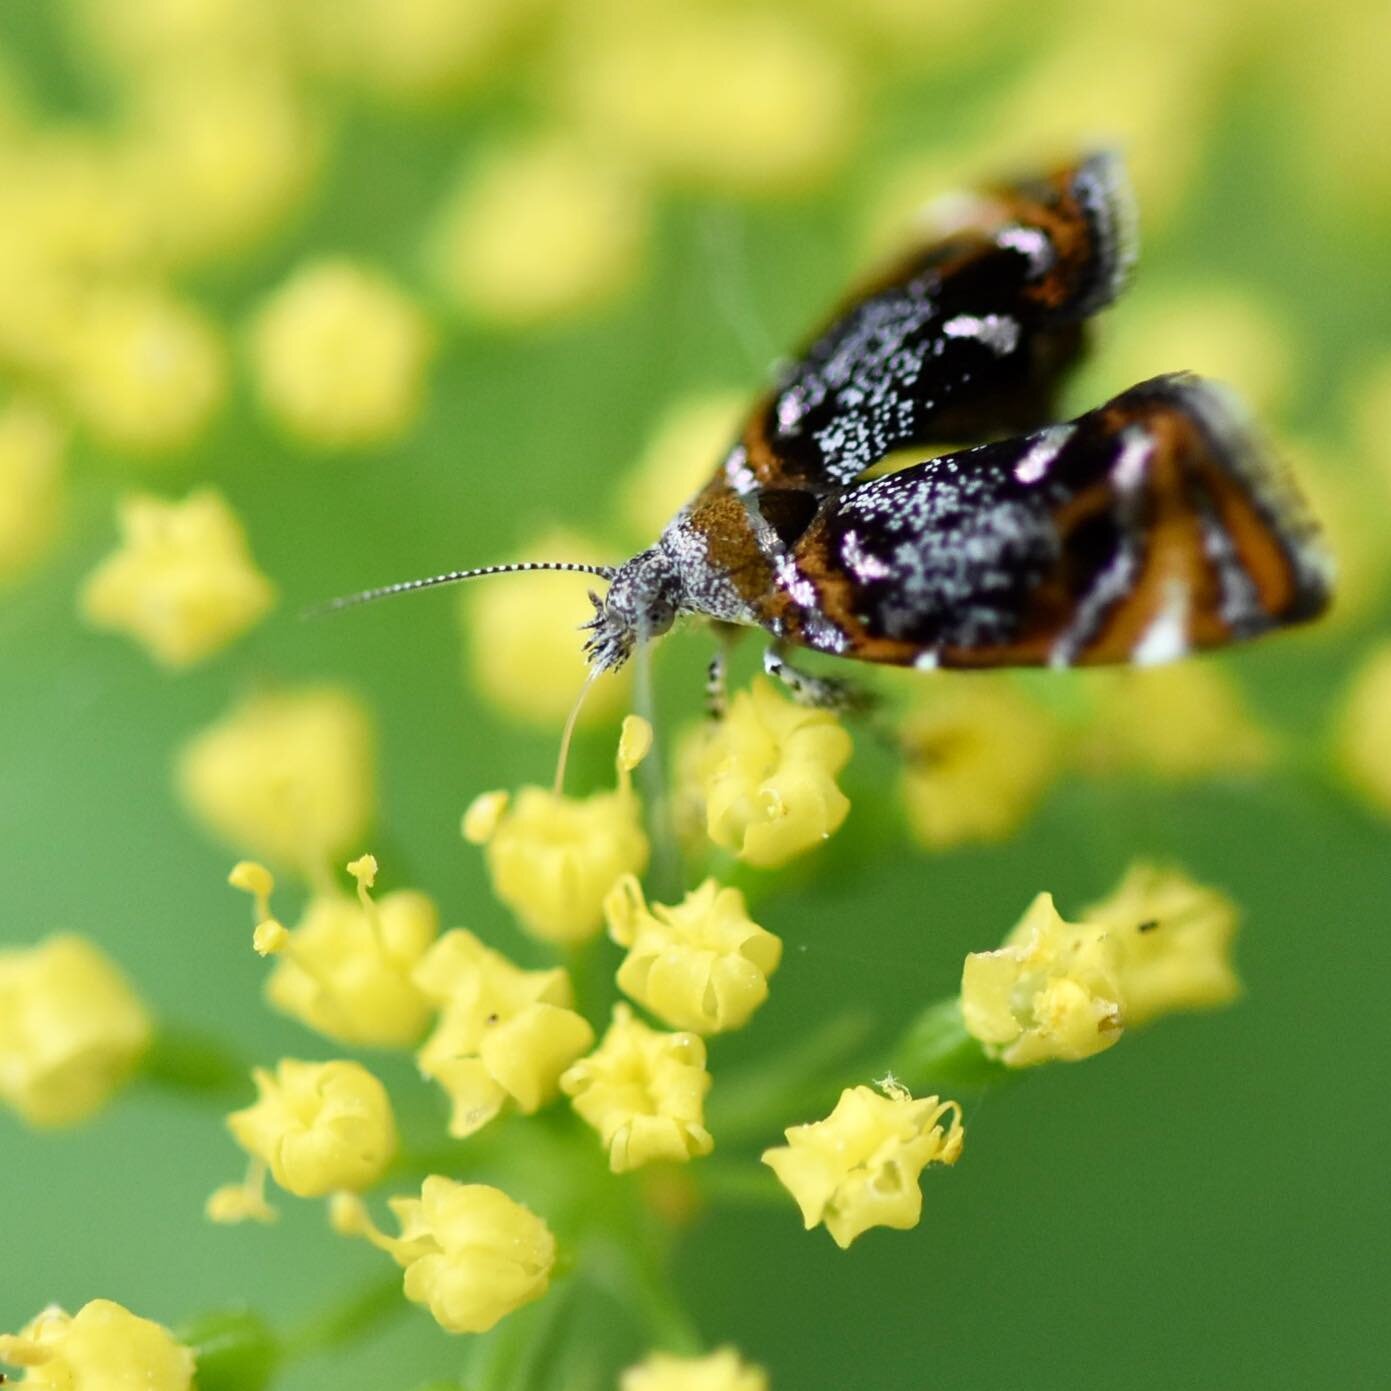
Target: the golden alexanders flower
pixel 701 964
pixel 1173 940
pixel 859 1167
pixel 287 776
pixel 1052 991
pixel 471 1254
pixel 553 858
pixel 71 1030
pixel 721 1370
pixel 346 970
pixel 644 1092
pixel 767 774
pixel 182 583
pixel 102 1347
pixel 504 1034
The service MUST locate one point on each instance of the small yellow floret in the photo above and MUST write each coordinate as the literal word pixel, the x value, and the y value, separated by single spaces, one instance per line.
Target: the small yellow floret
pixel 644 1092
pixel 538 232
pixel 102 1347
pixel 471 1254
pixel 1173 941
pixel 287 775
pixel 318 1127
pixel 340 355
pixel 182 583
pixel 721 1370
pixel 767 774
pixel 235 1203
pixel 1363 730
pixel 33 448
pixel 552 859
pixel 503 1034
pixel 701 964
pixel 145 371
pixel 978 755
pixel 524 651
pixel 71 1030
pixel 1052 991
pixel 859 1167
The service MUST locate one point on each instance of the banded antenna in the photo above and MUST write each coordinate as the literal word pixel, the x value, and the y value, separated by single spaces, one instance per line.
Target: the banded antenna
pixel 386 591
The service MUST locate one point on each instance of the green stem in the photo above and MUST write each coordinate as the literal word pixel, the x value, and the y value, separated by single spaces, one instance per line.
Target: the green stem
pixel 349 1320
pixel 187 1062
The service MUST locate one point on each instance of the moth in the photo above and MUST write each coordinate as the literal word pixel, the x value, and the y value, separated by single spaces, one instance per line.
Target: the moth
pixel 1156 524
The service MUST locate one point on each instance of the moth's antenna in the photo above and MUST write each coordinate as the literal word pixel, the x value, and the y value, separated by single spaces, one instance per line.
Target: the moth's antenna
pixel 385 591
pixel 569 731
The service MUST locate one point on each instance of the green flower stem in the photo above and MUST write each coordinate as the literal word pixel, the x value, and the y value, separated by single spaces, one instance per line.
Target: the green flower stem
pixel 235 1350
pixel 190 1063
pixel 359 1315
pixel 730 1183
pixel 638 1279
pixel 936 1054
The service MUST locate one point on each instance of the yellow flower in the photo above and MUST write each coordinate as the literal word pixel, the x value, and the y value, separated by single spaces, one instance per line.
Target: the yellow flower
pixel 1052 991
pixel 768 774
pixel 1173 941
pixel 102 1347
pixel 538 232
pixel 145 371
pixel 318 1127
pixel 1185 720
pixel 644 1092
pixel 158 35
pixel 978 756
pixel 1363 730
pixel 701 964
pixel 71 1030
pixel 504 1033
pixel 859 1167
pixel 524 654
pixel 288 776
pixel 721 1370
pixel 32 485
pixel 552 859
pixel 471 1255
pixel 182 583
pixel 346 970
pixel 340 355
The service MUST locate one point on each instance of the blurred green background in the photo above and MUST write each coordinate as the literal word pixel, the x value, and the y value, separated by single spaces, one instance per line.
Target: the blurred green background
pixel 1204 1204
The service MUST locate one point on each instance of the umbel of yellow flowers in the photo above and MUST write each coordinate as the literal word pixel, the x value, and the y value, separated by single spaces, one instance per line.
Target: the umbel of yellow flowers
pixel 859 1167
pixel 102 1347
pixel 504 1034
pixel 71 1030
pixel 471 1254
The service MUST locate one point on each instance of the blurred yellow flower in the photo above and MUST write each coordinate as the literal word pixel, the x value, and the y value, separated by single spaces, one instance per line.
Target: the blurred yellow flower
pixel 102 1347
pixel 644 1092
pixel 471 1254
pixel 503 1034
pixel 33 450
pixel 525 655
pixel 145 371
pixel 978 754
pixel 552 859
pixel 683 450
pixel 71 1030
pixel 286 775
pixel 1362 732
pixel 318 1127
pixel 1052 991
pixel 346 969
pixel 767 774
pixel 158 35
pixel 1173 941
pixel 539 231
pixel 182 583
pixel 859 1167
pixel 721 1370
pixel 1184 720
pixel 340 355
pixel 701 964
pixel 639 78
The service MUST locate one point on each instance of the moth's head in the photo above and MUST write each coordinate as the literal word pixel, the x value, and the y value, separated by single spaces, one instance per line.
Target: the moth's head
pixel 642 602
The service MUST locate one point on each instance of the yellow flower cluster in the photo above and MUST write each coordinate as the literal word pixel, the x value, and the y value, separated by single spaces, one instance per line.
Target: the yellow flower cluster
pixel 33 448
pixel 721 1370
pixel 859 1167
pixel 102 1347
pixel 1363 733
pixel 183 583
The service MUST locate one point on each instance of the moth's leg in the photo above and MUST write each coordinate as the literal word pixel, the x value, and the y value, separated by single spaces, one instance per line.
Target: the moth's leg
pixel 717 674
pixel 822 692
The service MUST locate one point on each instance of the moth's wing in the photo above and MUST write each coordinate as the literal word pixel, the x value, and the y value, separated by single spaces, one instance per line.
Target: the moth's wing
pixel 1156 524
pixel 965 338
